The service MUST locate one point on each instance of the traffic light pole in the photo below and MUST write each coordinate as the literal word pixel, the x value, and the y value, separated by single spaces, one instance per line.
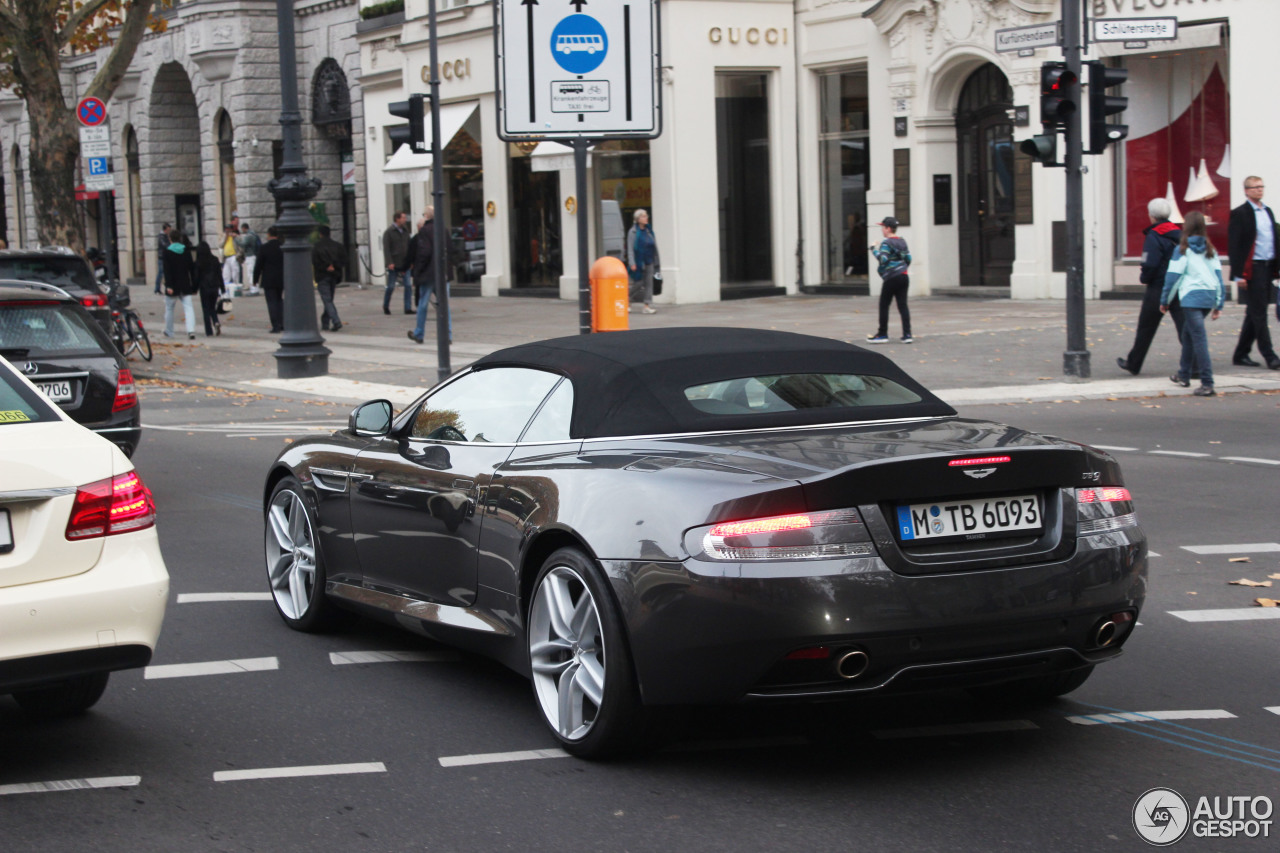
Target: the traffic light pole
pixel 1075 360
pixel 440 238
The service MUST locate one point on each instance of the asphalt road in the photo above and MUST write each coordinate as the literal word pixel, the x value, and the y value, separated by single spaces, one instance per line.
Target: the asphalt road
pixel 941 773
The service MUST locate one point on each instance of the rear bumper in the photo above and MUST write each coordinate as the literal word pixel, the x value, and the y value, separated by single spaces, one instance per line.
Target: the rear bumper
pixel 104 619
pixel 711 633
pixel 124 430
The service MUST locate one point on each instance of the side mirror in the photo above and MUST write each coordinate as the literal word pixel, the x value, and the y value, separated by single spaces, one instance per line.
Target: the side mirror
pixel 372 418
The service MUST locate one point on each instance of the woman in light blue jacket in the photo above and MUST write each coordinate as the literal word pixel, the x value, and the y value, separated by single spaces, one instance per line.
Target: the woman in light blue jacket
pixel 1195 278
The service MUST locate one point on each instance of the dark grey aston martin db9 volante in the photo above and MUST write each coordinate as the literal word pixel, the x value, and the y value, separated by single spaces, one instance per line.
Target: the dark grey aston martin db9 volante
pixel 678 516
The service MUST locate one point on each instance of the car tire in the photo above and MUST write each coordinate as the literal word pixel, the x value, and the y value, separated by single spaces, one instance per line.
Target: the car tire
pixel 1042 688
pixel 584 682
pixel 295 563
pixel 73 696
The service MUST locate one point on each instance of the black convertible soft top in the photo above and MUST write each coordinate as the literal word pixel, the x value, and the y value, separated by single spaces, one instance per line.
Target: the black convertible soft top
pixel 632 383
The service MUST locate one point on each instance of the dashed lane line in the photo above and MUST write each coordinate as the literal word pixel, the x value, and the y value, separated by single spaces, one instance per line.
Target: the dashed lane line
pixel 1234 614
pixel 1149 716
pixel 1275 709
pixel 205 597
pixel 1250 459
pixel 956 729
pixel 1115 448
pixel 1187 453
pixel 1257 547
pixel 295 772
pixel 71 785
pixel 500 757
pixel 341 658
pixel 213 667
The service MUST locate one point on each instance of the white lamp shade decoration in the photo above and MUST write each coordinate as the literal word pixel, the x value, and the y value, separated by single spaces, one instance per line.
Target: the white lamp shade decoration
pixel 1224 168
pixel 1202 188
pixel 1175 215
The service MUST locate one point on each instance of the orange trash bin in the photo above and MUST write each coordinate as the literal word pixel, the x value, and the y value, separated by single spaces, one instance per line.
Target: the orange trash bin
pixel 610 295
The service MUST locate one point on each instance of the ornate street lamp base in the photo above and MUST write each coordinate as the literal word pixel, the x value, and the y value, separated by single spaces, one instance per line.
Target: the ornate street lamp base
pixel 302 362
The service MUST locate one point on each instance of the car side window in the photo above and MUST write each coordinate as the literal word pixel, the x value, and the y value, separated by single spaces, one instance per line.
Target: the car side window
pixel 485 406
pixel 552 422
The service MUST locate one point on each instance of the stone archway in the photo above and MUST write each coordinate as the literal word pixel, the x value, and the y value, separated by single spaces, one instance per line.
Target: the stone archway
pixel 174 189
pixel 987 191
pixel 331 117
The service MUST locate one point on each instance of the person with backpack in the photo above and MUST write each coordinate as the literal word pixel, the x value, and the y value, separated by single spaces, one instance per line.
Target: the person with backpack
pixel 1161 241
pixel 894 260
pixel 1195 279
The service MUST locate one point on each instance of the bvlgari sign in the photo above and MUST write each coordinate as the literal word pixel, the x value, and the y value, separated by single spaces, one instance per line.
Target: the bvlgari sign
pixel 1100 8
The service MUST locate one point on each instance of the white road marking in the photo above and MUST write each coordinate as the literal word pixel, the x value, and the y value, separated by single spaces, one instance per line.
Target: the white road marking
pixel 1251 459
pixel 71 785
pixel 500 757
pixel 1185 453
pixel 340 658
pixel 212 667
pixel 1149 716
pixel 1234 614
pixel 200 597
pixel 1259 547
pixel 1275 709
pixel 292 772
pixel 1152 554
pixel 1111 447
pixel 956 729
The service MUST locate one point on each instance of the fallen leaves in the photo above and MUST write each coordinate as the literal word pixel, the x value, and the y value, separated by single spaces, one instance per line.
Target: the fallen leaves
pixel 1240 560
pixel 1266 602
pixel 1247 582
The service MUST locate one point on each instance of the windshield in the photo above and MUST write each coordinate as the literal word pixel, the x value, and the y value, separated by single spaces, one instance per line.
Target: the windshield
pixel 44 329
pixel 791 392
pixel 59 271
pixel 19 404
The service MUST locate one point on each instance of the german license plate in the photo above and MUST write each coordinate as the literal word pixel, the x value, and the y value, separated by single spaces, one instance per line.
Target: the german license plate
pixel 6 532
pixel 58 392
pixel 969 519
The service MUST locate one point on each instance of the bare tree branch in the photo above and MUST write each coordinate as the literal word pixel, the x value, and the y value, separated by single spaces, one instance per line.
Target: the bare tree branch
pixel 78 18
pixel 117 63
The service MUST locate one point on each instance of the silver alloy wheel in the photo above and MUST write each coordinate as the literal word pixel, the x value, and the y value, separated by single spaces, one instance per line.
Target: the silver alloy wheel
pixel 291 554
pixel 566 651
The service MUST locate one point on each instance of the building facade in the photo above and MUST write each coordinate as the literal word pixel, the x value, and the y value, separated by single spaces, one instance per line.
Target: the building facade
pixel 195 128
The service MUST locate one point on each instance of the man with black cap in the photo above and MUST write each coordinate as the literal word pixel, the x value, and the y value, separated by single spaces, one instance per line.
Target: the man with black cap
pixel 894 260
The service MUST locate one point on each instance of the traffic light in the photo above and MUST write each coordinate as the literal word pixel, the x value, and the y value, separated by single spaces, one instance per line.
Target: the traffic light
pixel 1042 148
pixel 1101 132
pixel 414 110
pixel 1059 94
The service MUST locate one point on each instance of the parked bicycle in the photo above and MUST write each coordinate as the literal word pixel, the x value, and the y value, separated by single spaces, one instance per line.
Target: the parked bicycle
pixel 127 330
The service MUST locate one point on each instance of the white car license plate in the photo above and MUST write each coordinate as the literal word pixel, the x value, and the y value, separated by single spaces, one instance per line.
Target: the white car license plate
pixel 58 392
pixel 6 532
pixel 946 519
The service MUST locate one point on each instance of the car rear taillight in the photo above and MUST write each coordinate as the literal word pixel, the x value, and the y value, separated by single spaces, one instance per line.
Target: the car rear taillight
pixel 96 300
pixel 799 536
pixel 126 391
pixel 119 504
pixel 1104 509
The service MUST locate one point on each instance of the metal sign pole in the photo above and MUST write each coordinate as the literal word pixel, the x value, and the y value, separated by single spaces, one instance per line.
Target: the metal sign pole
pixel 1075 360
pixel 580 211
pixel 438 234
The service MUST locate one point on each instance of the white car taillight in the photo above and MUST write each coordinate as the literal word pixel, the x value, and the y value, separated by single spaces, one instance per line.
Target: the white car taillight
pixel 119 504
pixel 803 536
pixel 1104 509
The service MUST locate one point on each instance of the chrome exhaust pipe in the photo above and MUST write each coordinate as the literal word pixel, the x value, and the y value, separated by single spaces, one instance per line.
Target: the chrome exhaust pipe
pixel 1105 634
pixel 852 664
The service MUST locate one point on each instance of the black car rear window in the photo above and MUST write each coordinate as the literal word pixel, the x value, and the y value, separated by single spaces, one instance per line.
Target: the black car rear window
pixel 44 329
pixel 791 392
pixel 59 271
pixel 19 404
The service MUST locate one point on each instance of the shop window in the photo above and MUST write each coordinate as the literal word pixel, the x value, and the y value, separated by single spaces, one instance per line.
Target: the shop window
pixel 226 166
pixel 536 256
pixel 743 166
pixel 623 186
pixel 464 201
pixel 846 170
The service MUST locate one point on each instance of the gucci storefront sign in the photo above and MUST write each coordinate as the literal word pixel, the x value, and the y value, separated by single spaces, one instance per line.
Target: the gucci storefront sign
pixel 459 69
pixel 751 35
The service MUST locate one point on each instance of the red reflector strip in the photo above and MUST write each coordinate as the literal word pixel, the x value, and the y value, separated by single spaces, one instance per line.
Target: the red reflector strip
pixel 126 391
pixel 981 460
pixel 1108 494
pixel 812 653
pixel 763 525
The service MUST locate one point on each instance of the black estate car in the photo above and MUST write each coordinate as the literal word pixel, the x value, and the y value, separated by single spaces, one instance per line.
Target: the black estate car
pixel 696 515
pixel 64 269
pixel 49 336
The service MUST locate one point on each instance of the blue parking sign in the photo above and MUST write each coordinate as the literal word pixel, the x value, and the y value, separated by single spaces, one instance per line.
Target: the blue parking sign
pixel 98 166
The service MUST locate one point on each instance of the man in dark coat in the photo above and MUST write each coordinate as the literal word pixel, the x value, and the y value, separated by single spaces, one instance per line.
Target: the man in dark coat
pixel 327 261
pixel 1254 241
pixel 422 256
pixel 1162 238
pixel 179 282
pixel 268 273
pixel 395 250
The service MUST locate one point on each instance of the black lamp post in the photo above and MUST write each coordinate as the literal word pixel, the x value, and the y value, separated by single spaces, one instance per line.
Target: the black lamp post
pixel 302 351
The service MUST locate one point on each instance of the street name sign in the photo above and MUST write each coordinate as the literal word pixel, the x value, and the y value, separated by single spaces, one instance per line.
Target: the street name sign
pixel 581 68
pixel 1029 38
pixel 95 141
pixel 1135 29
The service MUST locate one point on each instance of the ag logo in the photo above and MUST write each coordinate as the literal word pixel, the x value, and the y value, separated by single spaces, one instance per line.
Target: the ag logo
pixel 979 473
pixel 1161 817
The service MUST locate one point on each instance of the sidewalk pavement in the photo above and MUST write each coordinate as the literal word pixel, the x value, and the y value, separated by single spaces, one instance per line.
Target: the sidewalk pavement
pixel 968 351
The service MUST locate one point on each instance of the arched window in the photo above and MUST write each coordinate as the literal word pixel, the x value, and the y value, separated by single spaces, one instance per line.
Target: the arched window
pixel 133 185
pixel 20 198
pixel 226 165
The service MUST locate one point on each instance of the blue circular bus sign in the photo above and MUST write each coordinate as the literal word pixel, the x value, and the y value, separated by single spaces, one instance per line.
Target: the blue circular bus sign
pixel 579 44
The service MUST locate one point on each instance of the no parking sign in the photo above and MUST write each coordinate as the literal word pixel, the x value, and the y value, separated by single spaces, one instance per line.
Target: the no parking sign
pixel 91 112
